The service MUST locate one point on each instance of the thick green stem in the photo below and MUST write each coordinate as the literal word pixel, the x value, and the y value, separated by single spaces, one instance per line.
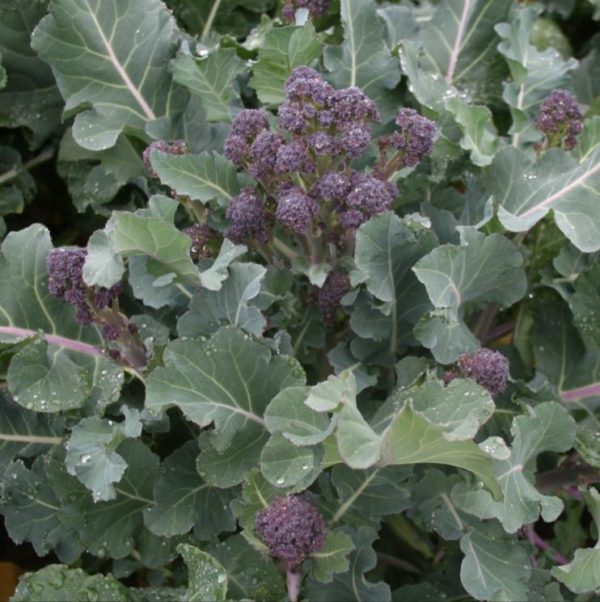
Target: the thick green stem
pixel 210 20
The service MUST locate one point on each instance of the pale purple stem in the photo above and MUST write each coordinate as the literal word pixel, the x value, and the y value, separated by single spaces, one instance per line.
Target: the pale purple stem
pixel 581 392
pixel 542 544
pixel 293 585
pixel 53 339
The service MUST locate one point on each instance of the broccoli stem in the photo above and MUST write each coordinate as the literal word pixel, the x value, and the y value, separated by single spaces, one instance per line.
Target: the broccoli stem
pixel 293 584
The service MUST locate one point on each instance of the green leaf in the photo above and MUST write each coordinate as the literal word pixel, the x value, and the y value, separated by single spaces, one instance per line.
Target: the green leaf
pixel 58 583
pixel 557 182
pixel 228 380
pixel 297 422
pixel 363 59
pixel 102 267
pixel 586 74
pixel 184 500
pixel 333 557
pixel 495 566
pixel 230 305
pixel 329 394
pixel 212 277
pixel 204 177
pixel 131 235
pixel 65 369
pixel 584 306
pixel 207 579
pixel 549 427
pixel 352 585
pixel 587 441
pixel 32 512
pixel 109 65
pixel 30 97
pixel 251 575
pixel 17 187
pixel 211 79
pixel 257 492
pixel 283 49
pixel 534 73
pixel 91 455
pixel 484 269
pixel 23 433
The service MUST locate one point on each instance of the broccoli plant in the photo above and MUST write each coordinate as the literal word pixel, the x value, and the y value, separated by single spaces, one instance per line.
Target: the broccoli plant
pixel 300 299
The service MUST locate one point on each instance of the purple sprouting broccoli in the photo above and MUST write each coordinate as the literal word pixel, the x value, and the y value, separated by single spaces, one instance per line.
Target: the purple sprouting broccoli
pixel 487 368
pixel 352 105
pixel 247 216
pixel 369 195
pixel 560 119
pixel 324 144
pixel 296 209
pixel 201 236
pixel 355 139
pixel 352 218
pixel 316 8
pixel 330 294
pixel 293 157
pixel 415 137
pixel 65 272
pixel 292 527
pixel 333 186
pixel 178 147
pixel 263 154
pixel 292 117
pixel 248 124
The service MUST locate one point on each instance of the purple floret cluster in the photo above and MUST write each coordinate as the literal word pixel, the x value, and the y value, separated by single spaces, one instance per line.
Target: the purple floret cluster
pixel 94 304
pixel 247 216
pixel 292 528
pixel 330 294
pixel 560 119
pixel 487 368
pixel 316 8
pixel 178 147
pixel 65 272
pixel 201 236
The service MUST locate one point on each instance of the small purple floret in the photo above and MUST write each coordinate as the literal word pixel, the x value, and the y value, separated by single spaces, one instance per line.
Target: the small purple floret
pixel 293 157
pixel 178 147
pixel 415 136
pixel 316 8
pixel 353 105
pixel 292 528
pixel 201 235
pixel 487 368
pixel 560 119
pixel 355 140
pixel 249 123
pixel 295 209
pixel 246 214
pixel 330 294
pixel 333 186
pixel 263 154
pixel 369 195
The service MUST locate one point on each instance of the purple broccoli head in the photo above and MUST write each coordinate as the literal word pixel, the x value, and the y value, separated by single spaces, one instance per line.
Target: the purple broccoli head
pixel 355 140
pixel 293 157
pixel 415 137
pixel 560 119
pixel 330 294
pixel 369 195
pixel 201 235
pixel 333 186
pixel 292 527
pixel 487 368
pixel 353 105
pixel 246 214
pixel 263 154
pixel 249 123
pixel 296 209
pixel 178 147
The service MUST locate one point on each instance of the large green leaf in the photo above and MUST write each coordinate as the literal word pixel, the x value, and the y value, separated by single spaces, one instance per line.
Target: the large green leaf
pixel 228 380
pixel 526 191
pixel 283 49
pixel 534 73
pixel 363 59
pixel 483 268
pixel 207 579
pixel 30 98
pixel 549 427
pixel 211 79
pixel 108 59
pixel 201 177
pixel 61 367
pixel 17 187
pixel 184 500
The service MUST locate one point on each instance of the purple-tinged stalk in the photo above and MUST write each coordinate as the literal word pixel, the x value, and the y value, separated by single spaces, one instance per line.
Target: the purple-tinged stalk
pixel 292 528
pixel 542 544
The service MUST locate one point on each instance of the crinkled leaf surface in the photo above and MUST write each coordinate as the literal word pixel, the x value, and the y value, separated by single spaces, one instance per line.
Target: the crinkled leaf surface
pixel 482 268
pixel 108 59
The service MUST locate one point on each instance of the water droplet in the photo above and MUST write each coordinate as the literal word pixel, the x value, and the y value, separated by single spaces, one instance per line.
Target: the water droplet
pixel 221 578
pixel 280 481
pixel 85 459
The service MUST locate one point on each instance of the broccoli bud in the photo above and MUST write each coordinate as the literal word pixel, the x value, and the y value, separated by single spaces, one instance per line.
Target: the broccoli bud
pixel 246 214
pixel 487 368
pixel 330 294
pixel 560 119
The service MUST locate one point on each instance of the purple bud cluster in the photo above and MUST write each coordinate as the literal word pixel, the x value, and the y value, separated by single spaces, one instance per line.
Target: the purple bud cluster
pixel 201 236
pixel 246 216
pixel 178 147
pixel 486 367
pixel 292 528
pixel 330 294
pixel 316 8
pixel 560 119
pixel 65 272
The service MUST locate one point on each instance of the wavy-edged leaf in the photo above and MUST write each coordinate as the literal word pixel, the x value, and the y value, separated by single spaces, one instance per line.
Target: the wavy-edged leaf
pixel 207 579
pixel 283 49
pixel 184 500
pixel 483 268
pixel 211 79
pixel 30 98
pixel 558 182
pixel 228 380
pixel 64 353
pixel 333 557
pixel 202 177
pixel 109 56
pixel 363 59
